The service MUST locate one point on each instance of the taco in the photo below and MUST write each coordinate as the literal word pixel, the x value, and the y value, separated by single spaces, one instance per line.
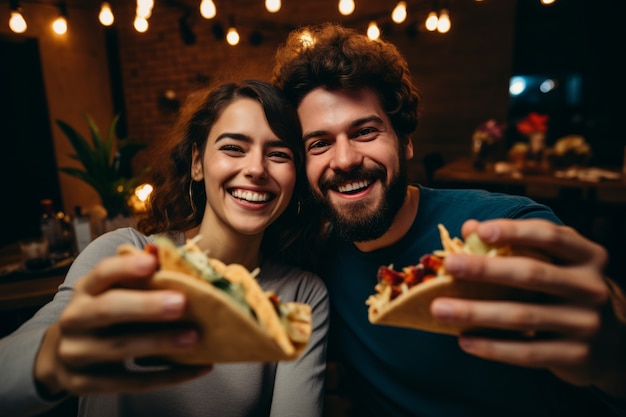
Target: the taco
pixel 403 297
pixel 237 321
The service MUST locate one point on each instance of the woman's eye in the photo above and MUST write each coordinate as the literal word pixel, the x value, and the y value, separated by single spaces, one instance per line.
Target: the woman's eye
pixel 231 148
pixel 284 156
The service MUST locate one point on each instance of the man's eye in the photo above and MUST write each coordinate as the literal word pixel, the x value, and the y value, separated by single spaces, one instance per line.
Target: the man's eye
pixel 366 131
pixel 318 144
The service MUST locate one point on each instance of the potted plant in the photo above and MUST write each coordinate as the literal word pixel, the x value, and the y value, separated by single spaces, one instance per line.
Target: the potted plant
pixel 106 165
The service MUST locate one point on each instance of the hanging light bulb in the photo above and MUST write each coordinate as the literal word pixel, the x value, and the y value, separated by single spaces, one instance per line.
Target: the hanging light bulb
pixel 399 12
pixel 444 24
pixel 59 26
pixel 547 2
pixel 140 24
pixel 144 8
pixel 207 9
pixel 16 21
pixel 232 36
pixel 106 15
pixel 431 21
pixel 272 6
pixel 373 32
pixel 346 7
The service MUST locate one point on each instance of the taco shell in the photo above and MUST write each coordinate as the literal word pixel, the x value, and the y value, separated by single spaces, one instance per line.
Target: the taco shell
pixel 412 309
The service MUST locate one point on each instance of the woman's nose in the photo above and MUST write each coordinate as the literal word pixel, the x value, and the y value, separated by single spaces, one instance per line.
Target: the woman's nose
pixel 255 167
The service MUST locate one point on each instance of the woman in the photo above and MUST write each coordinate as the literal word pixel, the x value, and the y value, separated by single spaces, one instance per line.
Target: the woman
pixel 234 174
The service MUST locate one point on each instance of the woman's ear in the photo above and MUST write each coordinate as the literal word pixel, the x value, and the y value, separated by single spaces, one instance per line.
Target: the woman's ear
pixel 196 164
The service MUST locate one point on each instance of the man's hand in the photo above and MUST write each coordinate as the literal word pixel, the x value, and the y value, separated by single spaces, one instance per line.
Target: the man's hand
pixel 574 330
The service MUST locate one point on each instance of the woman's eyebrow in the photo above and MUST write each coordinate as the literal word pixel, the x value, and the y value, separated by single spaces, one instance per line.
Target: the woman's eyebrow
pixel 275 143
pixel 236 136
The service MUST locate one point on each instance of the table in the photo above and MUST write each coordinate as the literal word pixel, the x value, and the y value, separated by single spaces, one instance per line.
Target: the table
pixel 596 209
pixel 20 290
pixel 461 171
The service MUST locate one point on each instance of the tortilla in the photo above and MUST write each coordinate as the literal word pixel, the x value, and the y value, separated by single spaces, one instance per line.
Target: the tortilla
pixel 410 304
pixel 412 309
pixel 227 331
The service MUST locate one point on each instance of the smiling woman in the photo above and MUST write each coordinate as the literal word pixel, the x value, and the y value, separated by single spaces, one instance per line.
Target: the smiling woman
pixel 230 183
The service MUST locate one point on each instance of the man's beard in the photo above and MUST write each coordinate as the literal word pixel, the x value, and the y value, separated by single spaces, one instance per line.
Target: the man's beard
pixel 363 223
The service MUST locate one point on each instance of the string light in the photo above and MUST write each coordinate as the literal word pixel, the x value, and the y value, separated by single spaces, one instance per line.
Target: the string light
pixel 272 6
pixel 373 32
pixel 144 9
pixel 444 24
pixel 346 7
pixel 431 21
pixel 59 26
pixel 140 24
pixel 17 23
pixel 232 36
pixel 208 9
pixel 399 12
pixel 106 15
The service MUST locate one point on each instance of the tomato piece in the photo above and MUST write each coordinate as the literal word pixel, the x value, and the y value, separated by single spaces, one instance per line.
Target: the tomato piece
pixel 388 275
pixel 432 263
pixel 414 274
pixel 151 249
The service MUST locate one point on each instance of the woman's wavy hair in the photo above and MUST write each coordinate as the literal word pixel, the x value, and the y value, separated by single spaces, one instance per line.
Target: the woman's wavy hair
pixel 335 57
pixel 178 203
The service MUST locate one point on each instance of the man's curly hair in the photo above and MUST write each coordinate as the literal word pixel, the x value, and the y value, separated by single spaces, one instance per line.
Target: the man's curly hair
pixel 335 57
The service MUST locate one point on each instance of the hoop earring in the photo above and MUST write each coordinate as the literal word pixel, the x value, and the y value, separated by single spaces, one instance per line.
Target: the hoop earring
pixel 193 205
pixel 298 208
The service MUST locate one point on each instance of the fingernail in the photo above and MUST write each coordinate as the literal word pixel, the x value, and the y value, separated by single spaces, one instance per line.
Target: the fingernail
pixel 489 233
pixel 442 310
pixel 186 338
pixel 173 304
pixel 144 261
pixel 454 264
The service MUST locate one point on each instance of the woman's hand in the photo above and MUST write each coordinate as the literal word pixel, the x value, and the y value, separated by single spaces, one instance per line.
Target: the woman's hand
pixel 105 325
pixel 575 332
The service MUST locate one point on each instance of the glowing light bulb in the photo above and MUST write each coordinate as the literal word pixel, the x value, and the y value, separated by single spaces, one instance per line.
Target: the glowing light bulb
pixel 546 2
pixel 346 7
pixel 106 15
pixel 444 24
pixel 140 24
pixel 232 37
pixel 60 25
pixel 17 22
pixel 431 21
pixel 272 6
pixel 399 12
pixel 373 32
pixel 306 39
pixel 207 9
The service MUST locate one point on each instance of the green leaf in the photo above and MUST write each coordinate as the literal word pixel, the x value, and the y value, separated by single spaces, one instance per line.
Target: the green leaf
pixel 104 168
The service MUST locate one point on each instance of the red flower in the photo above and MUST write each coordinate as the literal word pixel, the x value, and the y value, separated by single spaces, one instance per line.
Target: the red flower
pixel 534 122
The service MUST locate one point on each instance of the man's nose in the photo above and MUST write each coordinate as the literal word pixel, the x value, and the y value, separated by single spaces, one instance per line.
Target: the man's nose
pixel 346 155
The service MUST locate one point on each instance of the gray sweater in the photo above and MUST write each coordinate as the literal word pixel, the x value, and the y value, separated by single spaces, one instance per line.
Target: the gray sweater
pixel 284 389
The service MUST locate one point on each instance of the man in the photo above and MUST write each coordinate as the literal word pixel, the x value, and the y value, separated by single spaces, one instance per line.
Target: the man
pixel 358 106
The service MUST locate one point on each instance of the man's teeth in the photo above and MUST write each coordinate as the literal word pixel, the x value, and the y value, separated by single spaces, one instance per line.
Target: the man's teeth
pixel 251 196
pixel 353 186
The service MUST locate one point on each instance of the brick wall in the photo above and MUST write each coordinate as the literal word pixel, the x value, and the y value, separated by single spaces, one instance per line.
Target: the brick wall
pixel 463 75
